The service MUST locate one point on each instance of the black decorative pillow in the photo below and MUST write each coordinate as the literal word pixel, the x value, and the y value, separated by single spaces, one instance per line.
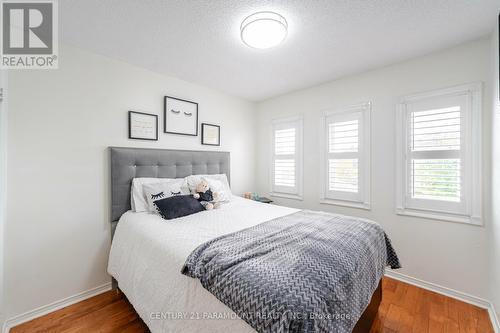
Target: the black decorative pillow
pixel 178 206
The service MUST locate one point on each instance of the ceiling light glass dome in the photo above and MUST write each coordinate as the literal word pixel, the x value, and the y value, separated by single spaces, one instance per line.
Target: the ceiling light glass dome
pixel 263 30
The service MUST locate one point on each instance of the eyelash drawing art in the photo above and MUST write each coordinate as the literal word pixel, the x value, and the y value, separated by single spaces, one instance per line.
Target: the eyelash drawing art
pixel 157 196
pixel 188 114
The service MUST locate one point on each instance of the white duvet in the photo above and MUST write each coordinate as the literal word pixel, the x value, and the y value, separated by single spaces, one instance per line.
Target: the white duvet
pixel 147 255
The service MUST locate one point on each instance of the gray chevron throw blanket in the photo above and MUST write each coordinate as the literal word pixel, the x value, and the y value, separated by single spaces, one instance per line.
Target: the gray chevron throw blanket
pixel 305 272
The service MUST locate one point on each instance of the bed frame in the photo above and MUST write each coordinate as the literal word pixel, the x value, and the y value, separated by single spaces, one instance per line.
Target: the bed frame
pixel 129 163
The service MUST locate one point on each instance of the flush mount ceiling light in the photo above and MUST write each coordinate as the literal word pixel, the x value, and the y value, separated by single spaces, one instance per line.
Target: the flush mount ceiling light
pixel 263 30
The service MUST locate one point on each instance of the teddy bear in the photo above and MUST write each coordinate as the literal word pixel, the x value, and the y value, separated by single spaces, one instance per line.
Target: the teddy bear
pixel 205 196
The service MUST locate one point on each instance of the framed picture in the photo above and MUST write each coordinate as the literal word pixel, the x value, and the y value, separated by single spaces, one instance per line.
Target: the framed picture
pixel 142 126
pixel 180 116
pixel 210 134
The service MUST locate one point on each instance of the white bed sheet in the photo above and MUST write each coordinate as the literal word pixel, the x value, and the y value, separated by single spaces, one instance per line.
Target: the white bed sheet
pixel 147 255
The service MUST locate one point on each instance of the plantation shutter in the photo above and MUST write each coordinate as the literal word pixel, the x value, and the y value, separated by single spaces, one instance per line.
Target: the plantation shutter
pixel 285 168
pixel 435 146
pixel 343 156
pixel 284 162
pixel 435 153
pixel 439 154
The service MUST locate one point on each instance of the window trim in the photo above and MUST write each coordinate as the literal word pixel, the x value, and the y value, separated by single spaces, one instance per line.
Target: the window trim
pixel 299 139
pixel 472 154
pixel 364 148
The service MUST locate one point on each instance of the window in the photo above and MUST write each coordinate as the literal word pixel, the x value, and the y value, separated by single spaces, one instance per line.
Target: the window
pixel 346 157
pixel 286 169
pixel 439 154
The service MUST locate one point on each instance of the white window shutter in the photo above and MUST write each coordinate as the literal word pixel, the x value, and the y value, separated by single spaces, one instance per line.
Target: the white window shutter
pixel 439 149
pixel 346 157
pixel 286 179
pixel 435 146
pixel 343 172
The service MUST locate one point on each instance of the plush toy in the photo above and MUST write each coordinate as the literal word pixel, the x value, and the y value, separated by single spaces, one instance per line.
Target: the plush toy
pixel 205 196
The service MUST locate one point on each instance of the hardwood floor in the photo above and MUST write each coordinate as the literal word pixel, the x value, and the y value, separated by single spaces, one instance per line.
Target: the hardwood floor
pixel 404 308
pixel 107 312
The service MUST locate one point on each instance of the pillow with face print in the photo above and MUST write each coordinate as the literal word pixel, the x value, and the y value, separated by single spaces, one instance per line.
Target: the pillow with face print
pixel 158 191
pixel 138 201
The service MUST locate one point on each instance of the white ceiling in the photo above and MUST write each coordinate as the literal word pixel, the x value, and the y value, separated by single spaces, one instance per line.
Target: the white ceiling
pixel 198 40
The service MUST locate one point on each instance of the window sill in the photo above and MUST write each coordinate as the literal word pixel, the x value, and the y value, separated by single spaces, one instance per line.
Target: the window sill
pixel 359 205
pixel 286 196
pixel 471 220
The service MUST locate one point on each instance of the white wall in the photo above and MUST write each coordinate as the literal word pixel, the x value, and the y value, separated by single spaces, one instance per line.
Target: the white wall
pixel 3 183
pixel 449 254
pixel 60 123
pixel 495 183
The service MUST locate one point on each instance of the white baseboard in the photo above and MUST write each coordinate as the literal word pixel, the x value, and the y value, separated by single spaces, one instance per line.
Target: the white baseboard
pixel 494 319
pixel 477 301
pixel 43 310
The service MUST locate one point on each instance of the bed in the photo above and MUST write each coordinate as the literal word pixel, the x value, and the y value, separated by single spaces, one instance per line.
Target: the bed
pixel 148 253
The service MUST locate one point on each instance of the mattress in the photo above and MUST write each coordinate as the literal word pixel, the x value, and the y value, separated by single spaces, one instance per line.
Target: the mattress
pixel 148 253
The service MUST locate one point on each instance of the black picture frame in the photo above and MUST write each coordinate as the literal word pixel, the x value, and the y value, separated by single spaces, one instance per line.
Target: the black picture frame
pixel 165 99
pixel 203 125
pixel 130 113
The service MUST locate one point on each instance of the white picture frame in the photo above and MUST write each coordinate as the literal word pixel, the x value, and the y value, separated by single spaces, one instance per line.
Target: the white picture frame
pixel 180 116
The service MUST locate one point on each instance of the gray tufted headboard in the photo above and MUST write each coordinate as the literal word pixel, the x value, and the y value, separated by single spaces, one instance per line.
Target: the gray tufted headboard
pixel 130 163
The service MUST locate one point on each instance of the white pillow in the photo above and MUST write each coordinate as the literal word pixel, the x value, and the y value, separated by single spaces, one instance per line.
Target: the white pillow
pixel 217 183
pixel 138 200
pixel 158 191
pixel 217 186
